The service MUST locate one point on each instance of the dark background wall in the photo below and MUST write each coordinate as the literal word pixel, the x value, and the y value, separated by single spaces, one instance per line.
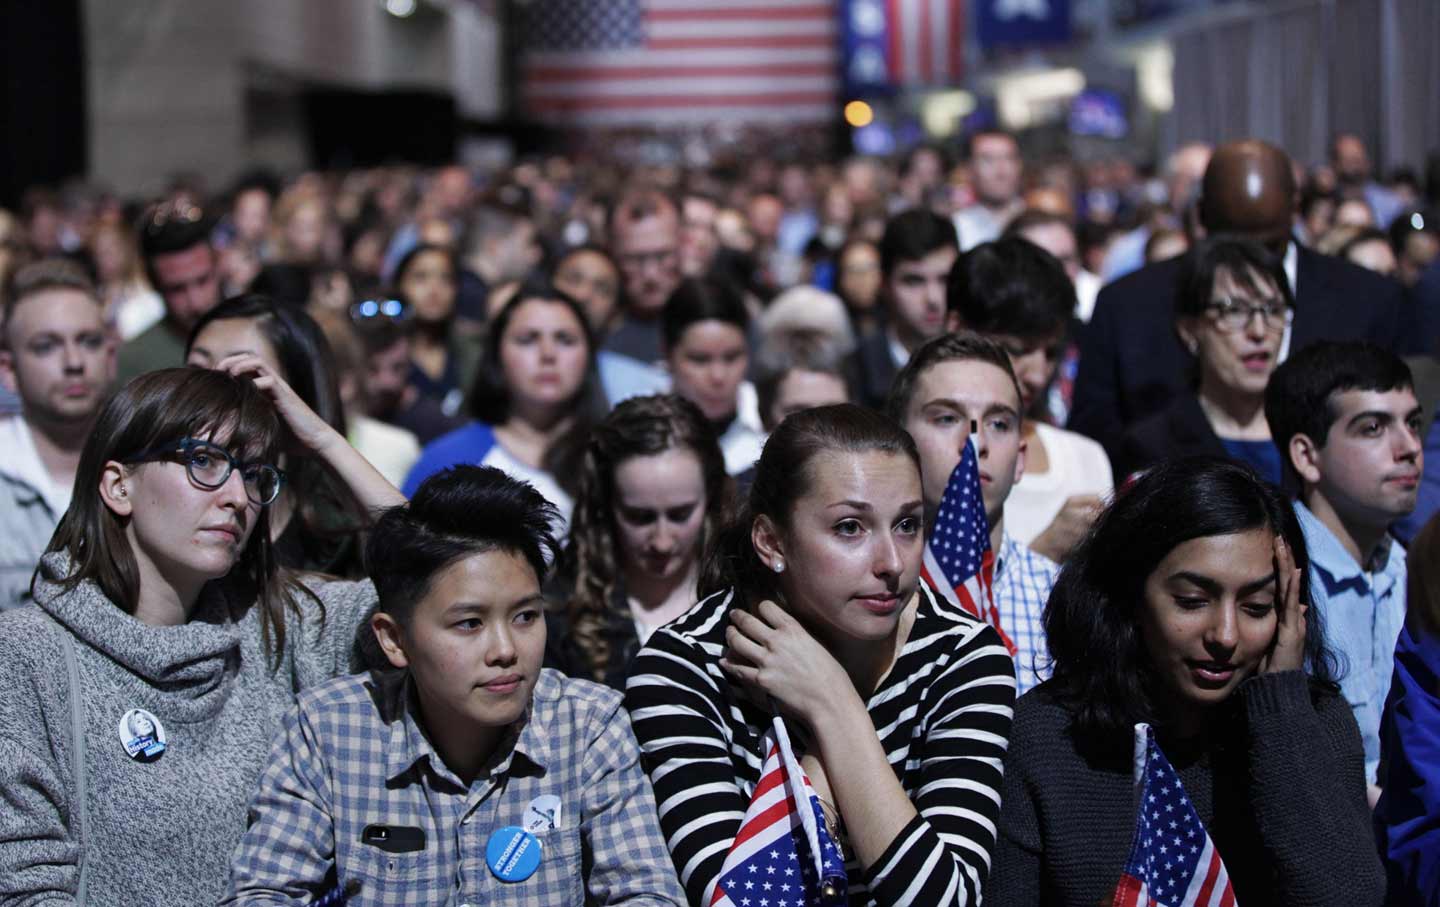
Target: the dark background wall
pixel 42 95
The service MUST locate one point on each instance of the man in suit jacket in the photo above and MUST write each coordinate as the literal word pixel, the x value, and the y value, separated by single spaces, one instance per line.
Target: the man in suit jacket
pixel 1131 362
pixel 916 253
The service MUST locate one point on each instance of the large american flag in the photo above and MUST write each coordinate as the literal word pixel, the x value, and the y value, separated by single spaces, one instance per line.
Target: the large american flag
pixel 655 62
pixel 783 855
pixel 959 562
pixel 1173 862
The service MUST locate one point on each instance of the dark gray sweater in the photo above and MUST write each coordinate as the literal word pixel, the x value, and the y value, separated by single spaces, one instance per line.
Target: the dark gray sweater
pixel 1281 789
pixel 159 832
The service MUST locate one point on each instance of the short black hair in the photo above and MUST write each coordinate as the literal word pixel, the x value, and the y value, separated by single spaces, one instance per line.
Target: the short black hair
pixel 463 511
pixel 171 227
pixel 1240 257
pixel 912 235
pixel 1011 286
pixel 698 299
pixel 1299 400
pixel 962 346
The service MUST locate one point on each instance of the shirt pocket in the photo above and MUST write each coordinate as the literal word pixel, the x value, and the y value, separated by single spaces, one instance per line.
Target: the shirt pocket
pixel 560 880
pixel 393 878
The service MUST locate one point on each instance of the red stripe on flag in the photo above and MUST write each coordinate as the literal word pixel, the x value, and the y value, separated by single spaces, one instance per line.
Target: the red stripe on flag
pixel 741 41
pixel 957 11
pixel 1127 893
pixel 659 101
pixel 1212 873
pixel 549 74
pixel 927 68
pixel 892 52
pixel 1228 898
pixel 822 11
pixel 761 821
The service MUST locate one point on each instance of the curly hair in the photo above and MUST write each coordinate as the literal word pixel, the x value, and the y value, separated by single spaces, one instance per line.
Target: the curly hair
pixel 638 427
pixel 1102 671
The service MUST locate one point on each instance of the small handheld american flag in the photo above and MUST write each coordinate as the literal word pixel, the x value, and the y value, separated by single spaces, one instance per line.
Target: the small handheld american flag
pixel 1173 862
pixel 783 855
pixel 958 556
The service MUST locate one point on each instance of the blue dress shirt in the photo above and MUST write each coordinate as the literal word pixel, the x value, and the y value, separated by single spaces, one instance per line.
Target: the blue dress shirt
pixel 1362 613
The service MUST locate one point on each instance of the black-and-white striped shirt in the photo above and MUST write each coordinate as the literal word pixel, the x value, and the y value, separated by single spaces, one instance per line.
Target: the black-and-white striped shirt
pixel 942 714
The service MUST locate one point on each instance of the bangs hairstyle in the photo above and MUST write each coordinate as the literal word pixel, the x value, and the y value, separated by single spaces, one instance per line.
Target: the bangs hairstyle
pixel 463 511
pixel 638 427
pixel 1011 286
pixel 1102 671
pixel 152 410
pixel 1242 258
pixel 783 476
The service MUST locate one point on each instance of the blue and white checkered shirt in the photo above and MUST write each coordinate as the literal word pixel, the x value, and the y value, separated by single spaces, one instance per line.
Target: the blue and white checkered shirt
pixel 351 755
pixel 1022 586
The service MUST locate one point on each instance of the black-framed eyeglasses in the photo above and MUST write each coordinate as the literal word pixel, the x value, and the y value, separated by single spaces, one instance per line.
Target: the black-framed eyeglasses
pixel 1234 315
pixel 210 465
pixel 368 309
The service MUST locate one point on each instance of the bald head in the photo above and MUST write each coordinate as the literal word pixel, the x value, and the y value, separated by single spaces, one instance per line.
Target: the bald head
pixel 1249 189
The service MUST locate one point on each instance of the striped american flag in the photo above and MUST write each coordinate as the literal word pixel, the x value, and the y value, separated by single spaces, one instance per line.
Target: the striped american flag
pixel 661 62
pixel 959 562
pixel 904 43
pixel 1173 862
pixel 783 855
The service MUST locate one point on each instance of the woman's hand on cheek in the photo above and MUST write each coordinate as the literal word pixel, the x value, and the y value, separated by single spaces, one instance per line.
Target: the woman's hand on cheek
pixel 1288 653
pixel 771 652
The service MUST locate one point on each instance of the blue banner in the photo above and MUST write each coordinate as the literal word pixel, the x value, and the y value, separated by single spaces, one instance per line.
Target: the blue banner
pixel 1019 23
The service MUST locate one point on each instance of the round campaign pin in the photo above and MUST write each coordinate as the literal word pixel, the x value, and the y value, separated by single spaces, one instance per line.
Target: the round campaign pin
pixel 513 854
pixel 143 735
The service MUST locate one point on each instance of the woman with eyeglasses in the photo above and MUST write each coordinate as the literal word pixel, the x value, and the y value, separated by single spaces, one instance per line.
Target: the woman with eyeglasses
pixel 160 592
pixel 1232 311
pixel 315 522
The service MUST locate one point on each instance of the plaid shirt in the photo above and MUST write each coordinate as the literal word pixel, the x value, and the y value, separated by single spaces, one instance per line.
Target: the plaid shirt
pixel 1022 586
pixel 351 755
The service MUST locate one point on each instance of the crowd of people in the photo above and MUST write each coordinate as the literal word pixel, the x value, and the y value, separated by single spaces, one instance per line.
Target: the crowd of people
pixel 413 535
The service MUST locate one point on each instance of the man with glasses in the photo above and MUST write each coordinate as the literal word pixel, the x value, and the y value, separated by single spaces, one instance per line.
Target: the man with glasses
pixel 58 356
pixel 184 269
pixel 1132 364
pixel 645 240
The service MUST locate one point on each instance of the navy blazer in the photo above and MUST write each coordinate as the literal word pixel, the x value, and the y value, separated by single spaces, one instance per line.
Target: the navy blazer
pixel 1132 364
pixel 1178 430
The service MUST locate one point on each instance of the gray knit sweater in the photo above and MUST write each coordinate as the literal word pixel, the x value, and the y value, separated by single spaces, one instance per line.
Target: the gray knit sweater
pixel 1280 788
pixel 160 832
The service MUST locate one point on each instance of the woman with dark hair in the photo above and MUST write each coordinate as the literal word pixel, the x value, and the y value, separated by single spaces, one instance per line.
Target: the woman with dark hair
pixel 315 522
pixel 704 330
pixel 534 398
pixel 442 359
pixel 653 488
pixel 1185 609
pixel 900 706
pixel 1408 814
pixel 160 594
pixel 1231 311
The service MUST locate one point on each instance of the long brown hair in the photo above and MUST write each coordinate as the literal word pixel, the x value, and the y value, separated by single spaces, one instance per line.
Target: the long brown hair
pixel 155 409
pixel 638 427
